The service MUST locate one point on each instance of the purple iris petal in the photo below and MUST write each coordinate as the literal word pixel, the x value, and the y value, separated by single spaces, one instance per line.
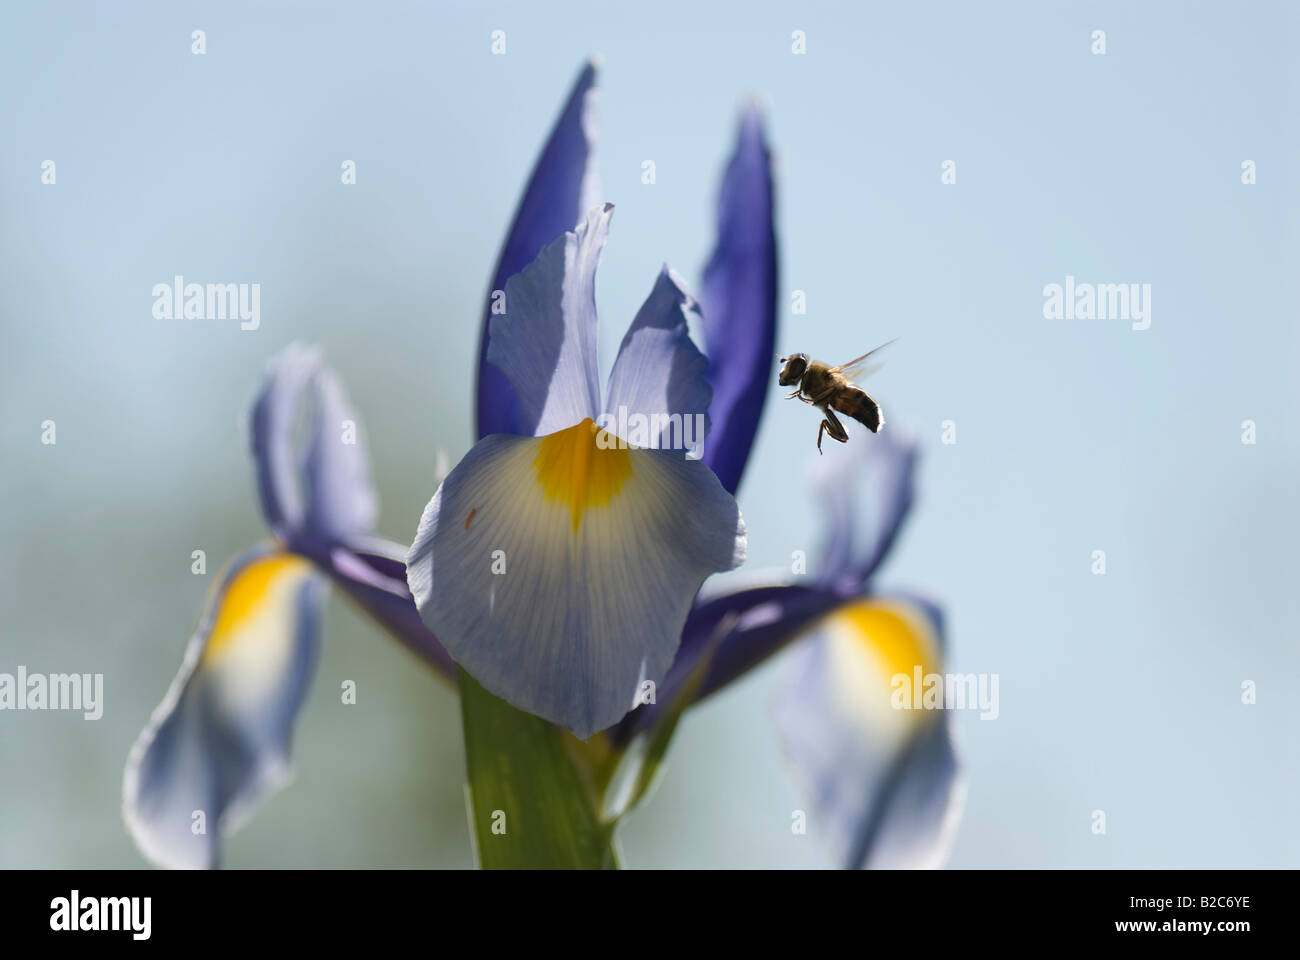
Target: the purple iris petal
pixel 341 500
pixel 545 342
pixel 755 624
pixel 321 494
pixel 659 373
pixel 320 501
pixel 272 425
pixel 866 494
pixel 375 579
pixel 558 567
pixel 219 743
pixel 885 783
pixel 560 191
pixel 917 806
pixel 739 303
pixel 564 606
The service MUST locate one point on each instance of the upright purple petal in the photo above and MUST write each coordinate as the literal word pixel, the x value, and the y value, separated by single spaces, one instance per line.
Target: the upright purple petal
pixel 545 342
pixel 341 500
pixel 320 494
pixel 866 494
pixel 660 374
pixel 739 303
pixel 560 191
pixel 273 424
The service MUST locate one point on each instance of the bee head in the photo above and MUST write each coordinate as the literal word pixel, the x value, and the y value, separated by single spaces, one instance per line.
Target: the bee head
pixel 792 372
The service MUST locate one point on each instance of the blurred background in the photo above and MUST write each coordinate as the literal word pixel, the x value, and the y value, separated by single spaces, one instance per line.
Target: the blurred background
pixel 1119 693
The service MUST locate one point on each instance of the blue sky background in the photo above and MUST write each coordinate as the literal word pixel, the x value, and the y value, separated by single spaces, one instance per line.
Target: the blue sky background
pixel 1118 692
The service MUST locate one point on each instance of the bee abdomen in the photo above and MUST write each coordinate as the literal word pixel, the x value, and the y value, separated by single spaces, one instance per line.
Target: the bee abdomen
pixel 856 404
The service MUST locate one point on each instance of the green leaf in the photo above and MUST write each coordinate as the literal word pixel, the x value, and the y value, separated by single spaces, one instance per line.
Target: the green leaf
pixel 525 780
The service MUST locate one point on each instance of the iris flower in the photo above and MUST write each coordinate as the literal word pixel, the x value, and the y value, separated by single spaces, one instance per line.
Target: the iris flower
pixel 220 740
pixel 558 566
pixel 602 546
pixel 885 782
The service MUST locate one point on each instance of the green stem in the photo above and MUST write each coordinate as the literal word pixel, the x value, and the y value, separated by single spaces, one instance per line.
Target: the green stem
pixel 533 796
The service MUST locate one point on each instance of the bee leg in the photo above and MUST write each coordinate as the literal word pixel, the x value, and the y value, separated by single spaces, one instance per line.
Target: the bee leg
pixel 831 426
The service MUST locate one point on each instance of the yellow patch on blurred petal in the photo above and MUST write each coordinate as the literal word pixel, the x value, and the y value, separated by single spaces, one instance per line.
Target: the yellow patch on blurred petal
pixel 582 467
pixel 871 643
pixel 898 637
pixel 259 585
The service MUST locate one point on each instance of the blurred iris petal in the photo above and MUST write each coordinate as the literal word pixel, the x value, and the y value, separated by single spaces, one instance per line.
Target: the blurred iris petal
pixel 738 298
pixel 273 425
pixel 332 477
pixel 220 739
pixel 341 501
pixel 219 743
pixel 884 782
pixel 560 191
pixel 866 494
pixel 322 494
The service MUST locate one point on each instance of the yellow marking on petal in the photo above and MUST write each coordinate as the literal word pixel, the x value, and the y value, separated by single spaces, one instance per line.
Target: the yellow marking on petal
pixel 244 596
pixel 582 467
pixel 898 637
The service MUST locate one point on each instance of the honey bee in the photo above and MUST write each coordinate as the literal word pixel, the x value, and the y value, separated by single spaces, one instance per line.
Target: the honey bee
pixel 829 389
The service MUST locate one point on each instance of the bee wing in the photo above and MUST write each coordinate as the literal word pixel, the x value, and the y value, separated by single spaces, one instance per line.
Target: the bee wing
pixel 856 366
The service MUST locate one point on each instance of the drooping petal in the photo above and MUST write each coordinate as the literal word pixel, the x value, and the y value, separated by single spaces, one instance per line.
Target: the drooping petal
pixel 659 374
pixel 559 570
pixel 866 495
pixel 322 494
pixel 219 742
pixel 919 816
pixel 561 189
pixel 879 769
pixel 545 342
pixel 739 302
pixel 372 573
